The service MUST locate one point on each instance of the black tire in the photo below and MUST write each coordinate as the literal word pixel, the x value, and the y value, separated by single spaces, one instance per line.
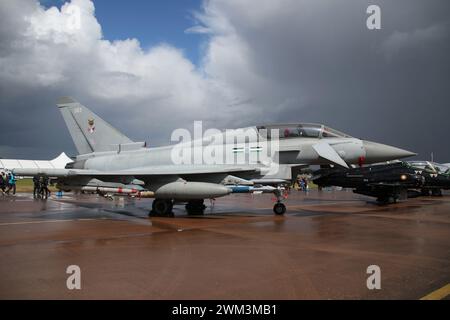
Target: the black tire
pixel 162 208
pixel 195 207
pixel 436 192
pixel 279 209
pixel 385 200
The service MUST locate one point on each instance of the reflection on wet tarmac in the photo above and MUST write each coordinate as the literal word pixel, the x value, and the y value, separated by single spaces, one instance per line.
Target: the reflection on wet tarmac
pixel 238 250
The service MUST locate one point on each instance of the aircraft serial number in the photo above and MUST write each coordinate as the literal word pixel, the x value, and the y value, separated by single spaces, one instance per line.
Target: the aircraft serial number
pixel 224 309
pixel 246 309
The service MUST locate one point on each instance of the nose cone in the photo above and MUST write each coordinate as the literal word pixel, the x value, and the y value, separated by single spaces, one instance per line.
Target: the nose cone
pixel 377 152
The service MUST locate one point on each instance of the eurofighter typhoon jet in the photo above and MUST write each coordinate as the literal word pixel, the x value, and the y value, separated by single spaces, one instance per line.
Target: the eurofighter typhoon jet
pixel 107 155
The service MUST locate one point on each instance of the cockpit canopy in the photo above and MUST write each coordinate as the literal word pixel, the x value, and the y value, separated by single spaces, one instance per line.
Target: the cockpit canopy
pixel 430 166
pixel 302 130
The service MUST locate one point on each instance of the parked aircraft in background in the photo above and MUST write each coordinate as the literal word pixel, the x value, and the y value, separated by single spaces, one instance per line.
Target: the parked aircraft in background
pixel 386 182
pixel 437 176
pixel 389 182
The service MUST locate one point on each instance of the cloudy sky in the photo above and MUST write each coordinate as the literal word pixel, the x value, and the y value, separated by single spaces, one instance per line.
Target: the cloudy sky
pixel 151 67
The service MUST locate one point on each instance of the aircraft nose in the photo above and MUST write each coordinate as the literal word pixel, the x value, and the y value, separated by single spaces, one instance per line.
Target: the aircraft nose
pixel 378 152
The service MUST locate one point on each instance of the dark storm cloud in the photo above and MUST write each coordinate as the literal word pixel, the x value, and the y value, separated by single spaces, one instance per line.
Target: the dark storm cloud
pixel 275 61
pixel 389 85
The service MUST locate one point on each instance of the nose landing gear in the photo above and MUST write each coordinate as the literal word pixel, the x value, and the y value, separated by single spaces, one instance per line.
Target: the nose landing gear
pixel 279 208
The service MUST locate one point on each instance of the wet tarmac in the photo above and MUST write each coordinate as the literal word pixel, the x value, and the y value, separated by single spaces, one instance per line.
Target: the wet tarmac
pixel 239 250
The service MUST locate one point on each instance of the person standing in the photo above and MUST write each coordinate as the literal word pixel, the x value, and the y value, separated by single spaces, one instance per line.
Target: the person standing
pixel 35 186
pixel 2 182
pixel 12 183
pixel 302 184
pixel 43 187
pixel 47 190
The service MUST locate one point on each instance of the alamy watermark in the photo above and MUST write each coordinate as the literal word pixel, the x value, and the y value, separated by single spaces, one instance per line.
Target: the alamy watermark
pixel 246 146
pixel 373 22
pixel 73 282
pixel 374 280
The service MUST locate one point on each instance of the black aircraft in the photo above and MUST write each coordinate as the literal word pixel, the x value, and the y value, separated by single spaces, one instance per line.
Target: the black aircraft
pixel 437 177
pixel 387 182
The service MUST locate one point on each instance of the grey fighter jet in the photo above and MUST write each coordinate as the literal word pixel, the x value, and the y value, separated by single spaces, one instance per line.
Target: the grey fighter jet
pixel 108 155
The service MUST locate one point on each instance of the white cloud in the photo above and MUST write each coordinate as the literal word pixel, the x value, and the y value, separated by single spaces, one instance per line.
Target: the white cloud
pixel 159 82
pixel 198 29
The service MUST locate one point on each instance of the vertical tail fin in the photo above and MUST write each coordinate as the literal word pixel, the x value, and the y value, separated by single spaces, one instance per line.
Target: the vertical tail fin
pixel 89 132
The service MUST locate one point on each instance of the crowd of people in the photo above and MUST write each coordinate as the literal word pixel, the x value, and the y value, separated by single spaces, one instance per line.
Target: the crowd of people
pixel 7 183
pixel 40 187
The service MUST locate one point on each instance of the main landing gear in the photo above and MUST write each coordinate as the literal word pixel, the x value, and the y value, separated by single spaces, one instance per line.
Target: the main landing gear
pixel 279 208
pixel 387 199
pixel 195 207
pixel 161 208
pixel 436 192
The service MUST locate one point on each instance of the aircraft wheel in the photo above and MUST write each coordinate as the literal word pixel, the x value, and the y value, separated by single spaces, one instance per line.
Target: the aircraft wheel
pixel 436 192
pixel 162 208
pixel 195 207
pixel 387 200
pixel 279 209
